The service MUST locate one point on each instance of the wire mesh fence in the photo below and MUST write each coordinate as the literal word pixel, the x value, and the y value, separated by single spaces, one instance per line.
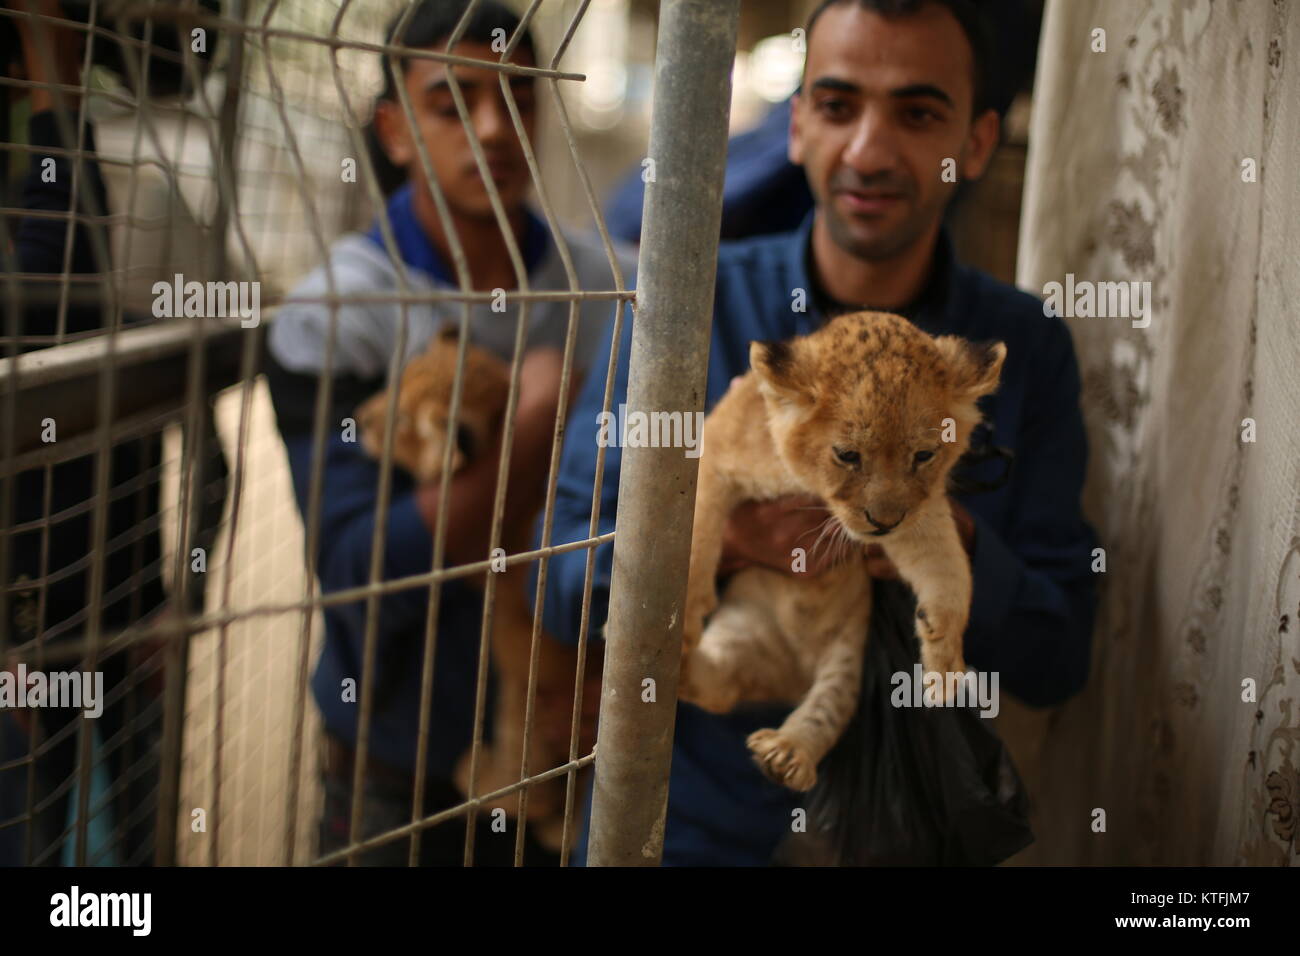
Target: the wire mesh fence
pixel 166 530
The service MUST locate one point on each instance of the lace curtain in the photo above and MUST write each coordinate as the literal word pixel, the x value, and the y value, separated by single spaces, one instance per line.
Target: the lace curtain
pixel 1171 158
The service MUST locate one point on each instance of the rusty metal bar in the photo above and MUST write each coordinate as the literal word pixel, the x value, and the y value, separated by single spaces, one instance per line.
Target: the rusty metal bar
pixel 147 368
pixel 197 624
pixel 669 365
pixel 231 26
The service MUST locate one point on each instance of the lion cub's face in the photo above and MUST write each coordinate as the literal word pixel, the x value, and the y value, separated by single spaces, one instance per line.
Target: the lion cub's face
pixel 871 413
pixel 420 432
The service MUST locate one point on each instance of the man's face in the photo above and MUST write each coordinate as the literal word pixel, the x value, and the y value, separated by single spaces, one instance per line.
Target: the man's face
pixel 884 102
pixel 445 138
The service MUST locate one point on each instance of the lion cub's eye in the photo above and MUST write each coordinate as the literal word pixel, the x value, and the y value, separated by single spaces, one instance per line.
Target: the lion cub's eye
pixel 923 456
pixel 847 456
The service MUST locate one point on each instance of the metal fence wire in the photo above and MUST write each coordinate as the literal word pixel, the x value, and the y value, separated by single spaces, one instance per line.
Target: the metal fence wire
pixel 151 532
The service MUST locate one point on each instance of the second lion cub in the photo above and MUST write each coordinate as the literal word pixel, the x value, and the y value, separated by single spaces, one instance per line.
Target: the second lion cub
pixel 870 414
pixel 420 438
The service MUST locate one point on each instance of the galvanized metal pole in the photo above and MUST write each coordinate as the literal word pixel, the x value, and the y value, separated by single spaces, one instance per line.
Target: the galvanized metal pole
pixel 668 370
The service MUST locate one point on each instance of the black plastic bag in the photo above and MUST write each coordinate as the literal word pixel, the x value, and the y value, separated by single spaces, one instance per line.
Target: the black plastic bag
pixel 910 786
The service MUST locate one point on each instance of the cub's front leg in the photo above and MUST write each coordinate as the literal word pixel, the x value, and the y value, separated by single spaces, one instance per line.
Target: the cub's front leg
pixel 715 497
pixel 790 755
pixel 930 557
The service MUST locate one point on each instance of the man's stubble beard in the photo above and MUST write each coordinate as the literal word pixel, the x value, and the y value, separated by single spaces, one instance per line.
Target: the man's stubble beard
pixel 883 247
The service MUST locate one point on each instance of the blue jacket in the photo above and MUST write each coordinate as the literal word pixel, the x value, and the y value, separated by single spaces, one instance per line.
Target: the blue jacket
pixel 1034 601
pixel 763 192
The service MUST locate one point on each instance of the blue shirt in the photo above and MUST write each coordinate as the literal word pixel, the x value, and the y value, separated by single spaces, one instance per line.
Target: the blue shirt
pixel 1034 600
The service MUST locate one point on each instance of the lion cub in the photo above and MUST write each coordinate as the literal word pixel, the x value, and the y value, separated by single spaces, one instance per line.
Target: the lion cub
pixel 870 414
pixel 420 435
pixel 424 408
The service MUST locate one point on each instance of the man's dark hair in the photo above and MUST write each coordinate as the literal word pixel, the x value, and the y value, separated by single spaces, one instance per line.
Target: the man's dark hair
pixel 966 13
pixel 433 22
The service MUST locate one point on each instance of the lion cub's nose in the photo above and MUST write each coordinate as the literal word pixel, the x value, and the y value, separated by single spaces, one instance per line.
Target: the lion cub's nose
pixel 882 527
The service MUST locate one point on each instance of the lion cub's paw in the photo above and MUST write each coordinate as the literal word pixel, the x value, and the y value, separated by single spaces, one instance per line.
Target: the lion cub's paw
pixel 941 643
pixel 942 658
pixel 782 759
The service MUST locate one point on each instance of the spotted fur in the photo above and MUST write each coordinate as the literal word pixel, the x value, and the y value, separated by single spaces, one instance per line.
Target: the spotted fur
pixel 870 385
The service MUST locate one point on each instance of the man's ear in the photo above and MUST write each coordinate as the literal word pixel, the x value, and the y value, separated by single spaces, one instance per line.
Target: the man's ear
pixel 779 371
pixel 794 146
pixel 980 144
pixel 976 366
pixel 394 133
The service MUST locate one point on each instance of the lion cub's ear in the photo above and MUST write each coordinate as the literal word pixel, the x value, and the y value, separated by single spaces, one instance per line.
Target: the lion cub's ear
pixel 370 423
pixel 780 372
pixel 976 366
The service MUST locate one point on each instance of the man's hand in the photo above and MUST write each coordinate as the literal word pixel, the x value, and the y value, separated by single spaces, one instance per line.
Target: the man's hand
pixel 879 566
pixel 765 533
